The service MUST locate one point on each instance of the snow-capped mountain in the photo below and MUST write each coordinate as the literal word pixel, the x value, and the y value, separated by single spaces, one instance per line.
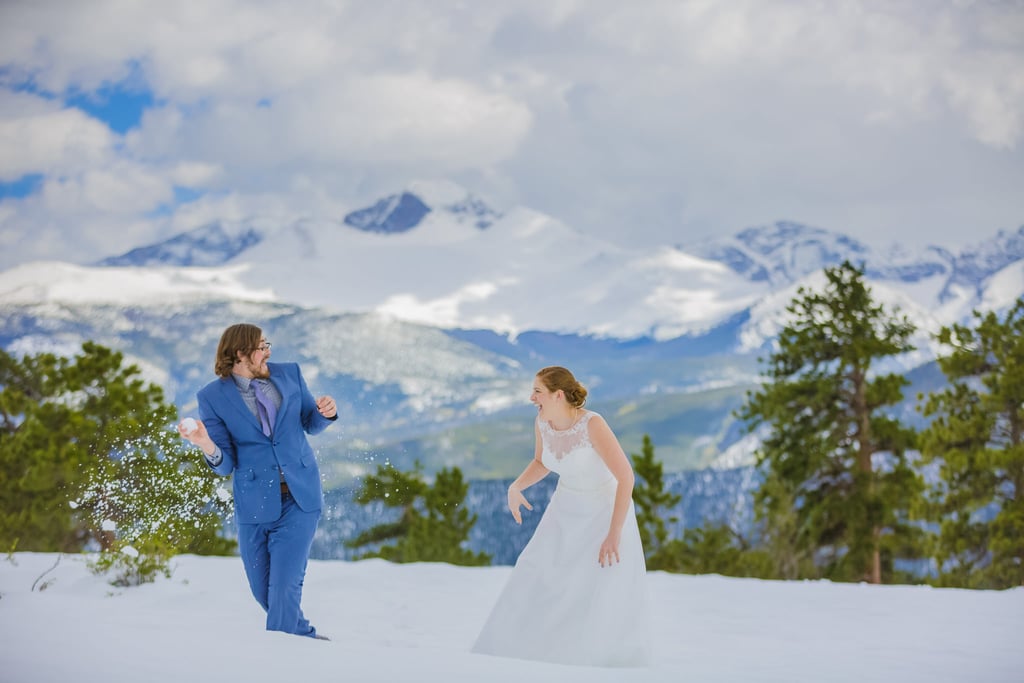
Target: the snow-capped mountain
pixel 402 212
pixel 978 263
pixel 437 255
pixel 396 213
pixel 933 287
pixel 784 252
pixel 434 254
pixel 428 311
pixel 209 245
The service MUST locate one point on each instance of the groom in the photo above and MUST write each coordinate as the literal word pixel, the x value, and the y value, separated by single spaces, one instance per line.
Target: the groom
pixel 253 423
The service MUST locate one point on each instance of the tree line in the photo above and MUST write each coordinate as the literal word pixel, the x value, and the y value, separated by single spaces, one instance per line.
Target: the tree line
pixel 89 461
pixel 849 492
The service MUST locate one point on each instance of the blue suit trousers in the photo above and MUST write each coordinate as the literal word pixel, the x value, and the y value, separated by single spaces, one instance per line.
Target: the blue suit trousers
pixel 275 555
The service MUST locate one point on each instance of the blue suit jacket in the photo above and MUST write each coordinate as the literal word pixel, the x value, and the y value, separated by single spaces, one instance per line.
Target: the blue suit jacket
pixel 255 458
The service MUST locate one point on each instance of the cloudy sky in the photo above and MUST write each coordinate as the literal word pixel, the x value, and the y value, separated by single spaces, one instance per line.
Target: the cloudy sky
pixel 657 122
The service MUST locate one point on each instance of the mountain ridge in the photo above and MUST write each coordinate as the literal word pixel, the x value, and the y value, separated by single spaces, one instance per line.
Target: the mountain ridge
pixel 453 262
pixel 430 334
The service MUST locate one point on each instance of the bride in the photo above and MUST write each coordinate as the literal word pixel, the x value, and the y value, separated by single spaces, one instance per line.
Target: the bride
pixel 578 592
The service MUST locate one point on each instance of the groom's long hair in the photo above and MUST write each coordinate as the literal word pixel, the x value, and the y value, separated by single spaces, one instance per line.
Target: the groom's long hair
pixel 242 337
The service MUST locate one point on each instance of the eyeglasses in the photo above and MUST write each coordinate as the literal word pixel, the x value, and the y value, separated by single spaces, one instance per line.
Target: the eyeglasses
pixel 265 346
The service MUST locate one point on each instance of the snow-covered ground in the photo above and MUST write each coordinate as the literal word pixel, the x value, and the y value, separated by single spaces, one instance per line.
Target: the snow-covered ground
pixel 416 622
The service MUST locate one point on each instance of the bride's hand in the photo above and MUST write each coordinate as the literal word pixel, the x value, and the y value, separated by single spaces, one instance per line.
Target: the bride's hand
pixel 609 550
pixel 515 500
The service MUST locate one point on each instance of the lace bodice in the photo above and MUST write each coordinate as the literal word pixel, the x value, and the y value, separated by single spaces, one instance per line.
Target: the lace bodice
pixel 561 442
pixel 570 454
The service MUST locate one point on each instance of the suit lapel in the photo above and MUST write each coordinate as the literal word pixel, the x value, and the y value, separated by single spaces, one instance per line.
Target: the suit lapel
pixel 280 381
pixel 234 398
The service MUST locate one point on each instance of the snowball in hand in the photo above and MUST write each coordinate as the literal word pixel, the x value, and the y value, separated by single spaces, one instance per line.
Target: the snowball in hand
pixel 189 425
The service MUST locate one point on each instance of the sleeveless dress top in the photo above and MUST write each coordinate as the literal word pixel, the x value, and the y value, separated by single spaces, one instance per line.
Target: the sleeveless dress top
pixel 559 604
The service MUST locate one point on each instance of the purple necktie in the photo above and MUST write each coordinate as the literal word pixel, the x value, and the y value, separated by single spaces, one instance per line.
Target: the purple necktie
pixel 265 408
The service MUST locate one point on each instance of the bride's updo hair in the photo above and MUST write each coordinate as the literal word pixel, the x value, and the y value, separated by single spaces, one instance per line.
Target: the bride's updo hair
pixel 556 377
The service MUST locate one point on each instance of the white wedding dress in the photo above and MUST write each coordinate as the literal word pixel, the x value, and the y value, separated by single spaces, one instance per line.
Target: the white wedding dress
pixel 559 604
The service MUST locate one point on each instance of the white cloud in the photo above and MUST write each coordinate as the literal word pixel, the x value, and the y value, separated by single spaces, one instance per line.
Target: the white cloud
pixel 124 188
pixel 665 121
pixel 410 119
pixel 194 174
pixel 990 93
pixel 38 137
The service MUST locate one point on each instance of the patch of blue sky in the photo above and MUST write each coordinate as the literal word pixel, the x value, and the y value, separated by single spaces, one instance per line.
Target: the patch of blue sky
pixel 22 187
pixel 120 105
pixel 17 80
pixel 162 211
pixel 182 195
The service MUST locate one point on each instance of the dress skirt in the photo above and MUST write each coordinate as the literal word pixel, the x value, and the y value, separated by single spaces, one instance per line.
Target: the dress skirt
pixel 559 604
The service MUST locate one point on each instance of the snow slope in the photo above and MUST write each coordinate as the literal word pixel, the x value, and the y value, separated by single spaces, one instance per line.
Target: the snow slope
pixel 417 622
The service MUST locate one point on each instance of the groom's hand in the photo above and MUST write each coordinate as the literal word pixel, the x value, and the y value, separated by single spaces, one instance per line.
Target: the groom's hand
pixel 326 406
pixel 197 436
pixel 515 500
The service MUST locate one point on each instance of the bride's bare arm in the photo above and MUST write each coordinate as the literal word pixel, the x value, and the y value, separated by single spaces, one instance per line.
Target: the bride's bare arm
pixel 607 446
pixel 533 473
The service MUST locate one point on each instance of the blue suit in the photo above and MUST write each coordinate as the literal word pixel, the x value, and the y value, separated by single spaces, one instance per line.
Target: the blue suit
pixel 275 529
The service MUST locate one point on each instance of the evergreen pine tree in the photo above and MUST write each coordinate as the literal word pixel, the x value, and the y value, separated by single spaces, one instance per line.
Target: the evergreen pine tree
pixel 433 523
pixel 651 498
pixel 784 536
pixel 839 459
pixel 90 459
pixel 442 531
pixel 42 457
pixel 977 440
pixel 714 548
pixel 395 489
